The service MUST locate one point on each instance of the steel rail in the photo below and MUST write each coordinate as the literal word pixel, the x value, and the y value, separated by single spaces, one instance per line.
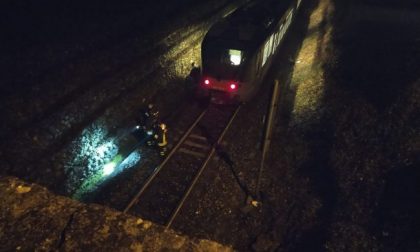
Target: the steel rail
pixel 159 168
pixel 203 166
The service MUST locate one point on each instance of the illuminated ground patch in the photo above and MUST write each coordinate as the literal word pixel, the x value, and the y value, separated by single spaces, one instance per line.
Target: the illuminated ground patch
pixel 97 158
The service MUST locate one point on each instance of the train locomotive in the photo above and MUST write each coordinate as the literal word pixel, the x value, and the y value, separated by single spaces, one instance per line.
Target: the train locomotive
pixel 237 51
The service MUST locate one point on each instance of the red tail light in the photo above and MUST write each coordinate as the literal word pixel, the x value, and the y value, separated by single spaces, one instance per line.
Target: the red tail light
pixel 206 82
pixel 232 86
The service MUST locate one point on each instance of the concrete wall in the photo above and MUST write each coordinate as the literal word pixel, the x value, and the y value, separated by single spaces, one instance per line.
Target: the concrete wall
pixel 34 219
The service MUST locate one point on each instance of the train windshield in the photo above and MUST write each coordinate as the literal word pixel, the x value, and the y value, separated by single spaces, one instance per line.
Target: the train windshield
pixel 223 63
pixel 235 57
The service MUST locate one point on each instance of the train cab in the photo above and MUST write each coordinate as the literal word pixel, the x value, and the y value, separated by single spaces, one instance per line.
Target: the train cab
pixel 236 49
pixel 227 55
pixel 223 73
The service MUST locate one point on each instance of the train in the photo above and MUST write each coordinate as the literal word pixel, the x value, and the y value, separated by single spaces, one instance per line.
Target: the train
pixel 237 51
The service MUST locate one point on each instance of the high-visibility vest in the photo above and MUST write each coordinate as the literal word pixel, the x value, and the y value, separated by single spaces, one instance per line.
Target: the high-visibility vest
pixel 161 135
pixel 163 142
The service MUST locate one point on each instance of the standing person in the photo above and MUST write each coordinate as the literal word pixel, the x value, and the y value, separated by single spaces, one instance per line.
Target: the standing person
pixel 152 122
pixel 193 80
pixel 161 138
pixel 141 119
pixel 195 73
pixel 155 132
pixel 147 121
pixel 152 115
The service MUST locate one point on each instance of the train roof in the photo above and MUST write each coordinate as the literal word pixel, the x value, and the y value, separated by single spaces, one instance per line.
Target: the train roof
pixel 248 26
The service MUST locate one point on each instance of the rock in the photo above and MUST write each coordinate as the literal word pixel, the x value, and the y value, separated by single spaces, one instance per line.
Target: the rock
pixel 23 189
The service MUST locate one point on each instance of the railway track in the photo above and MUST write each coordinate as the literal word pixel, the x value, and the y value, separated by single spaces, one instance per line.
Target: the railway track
pixel 162 196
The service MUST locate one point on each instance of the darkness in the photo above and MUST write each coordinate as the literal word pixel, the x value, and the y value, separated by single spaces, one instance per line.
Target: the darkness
pixel 43 42
pixel 32 23
pixel 378 63
pixel 43 37
pixel 64 64
pixel 389 60
pixel 37 31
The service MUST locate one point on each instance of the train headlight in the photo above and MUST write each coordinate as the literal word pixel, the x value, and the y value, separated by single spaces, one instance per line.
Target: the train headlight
pixel 233 86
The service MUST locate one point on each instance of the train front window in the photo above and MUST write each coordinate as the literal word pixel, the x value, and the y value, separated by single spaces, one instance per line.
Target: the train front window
pixel 235 57
pixel 222 61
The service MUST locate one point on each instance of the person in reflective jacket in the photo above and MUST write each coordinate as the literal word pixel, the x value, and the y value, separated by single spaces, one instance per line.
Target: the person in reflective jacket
pixel 161 139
